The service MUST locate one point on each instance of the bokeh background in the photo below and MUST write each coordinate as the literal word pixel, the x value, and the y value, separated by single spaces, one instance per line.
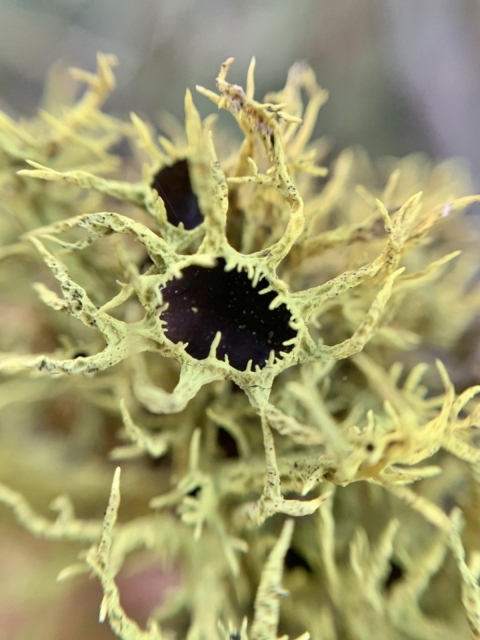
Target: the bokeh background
pixel 403 76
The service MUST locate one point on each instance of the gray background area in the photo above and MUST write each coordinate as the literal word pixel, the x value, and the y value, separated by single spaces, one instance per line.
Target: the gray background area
pixel 403 75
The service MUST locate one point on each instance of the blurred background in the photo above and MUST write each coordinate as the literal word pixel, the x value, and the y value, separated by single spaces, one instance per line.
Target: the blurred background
pixel 403 76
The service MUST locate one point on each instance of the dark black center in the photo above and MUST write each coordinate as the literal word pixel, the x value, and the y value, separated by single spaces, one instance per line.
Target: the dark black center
pixel 173 185
pixel 207 300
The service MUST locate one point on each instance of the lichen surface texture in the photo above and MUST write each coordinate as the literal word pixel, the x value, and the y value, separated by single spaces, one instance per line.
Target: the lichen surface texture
pixel 211 357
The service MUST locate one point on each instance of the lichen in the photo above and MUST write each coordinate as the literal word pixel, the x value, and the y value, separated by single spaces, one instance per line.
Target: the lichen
pixel 241 319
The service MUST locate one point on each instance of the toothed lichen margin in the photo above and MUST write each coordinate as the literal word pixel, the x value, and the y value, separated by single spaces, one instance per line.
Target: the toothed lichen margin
pixel 238 274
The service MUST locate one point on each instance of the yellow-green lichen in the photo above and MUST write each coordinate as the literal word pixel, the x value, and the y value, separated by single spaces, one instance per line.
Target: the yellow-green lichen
pixel 276 322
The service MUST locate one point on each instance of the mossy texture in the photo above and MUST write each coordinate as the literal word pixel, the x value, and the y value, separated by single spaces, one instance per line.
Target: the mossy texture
pixel 248 319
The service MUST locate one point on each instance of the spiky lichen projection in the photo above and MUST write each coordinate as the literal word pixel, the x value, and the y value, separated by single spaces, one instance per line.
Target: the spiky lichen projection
pixel 257 273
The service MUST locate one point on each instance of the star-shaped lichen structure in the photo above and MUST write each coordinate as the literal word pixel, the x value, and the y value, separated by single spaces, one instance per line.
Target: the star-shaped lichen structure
pixel 221 313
